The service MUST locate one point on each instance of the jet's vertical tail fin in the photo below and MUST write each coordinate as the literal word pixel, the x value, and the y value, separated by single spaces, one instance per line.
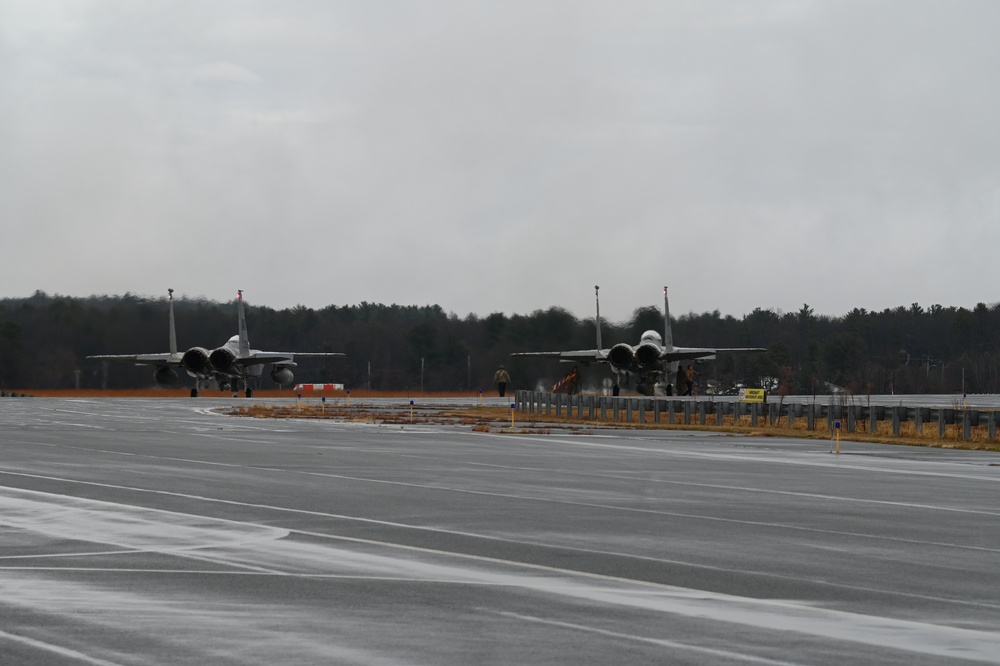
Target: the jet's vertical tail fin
pixel 173 329
pixel 244 338
pixel 668 336
pixel 597 297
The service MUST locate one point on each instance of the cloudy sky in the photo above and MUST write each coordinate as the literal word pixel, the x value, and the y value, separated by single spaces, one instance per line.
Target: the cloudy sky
pixel 504 156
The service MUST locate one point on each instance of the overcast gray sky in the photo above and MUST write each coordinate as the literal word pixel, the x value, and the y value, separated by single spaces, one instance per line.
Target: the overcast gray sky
pixel 504 156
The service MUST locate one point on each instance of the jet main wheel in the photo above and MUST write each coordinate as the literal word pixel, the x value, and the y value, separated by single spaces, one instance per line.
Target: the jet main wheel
pixel 615 390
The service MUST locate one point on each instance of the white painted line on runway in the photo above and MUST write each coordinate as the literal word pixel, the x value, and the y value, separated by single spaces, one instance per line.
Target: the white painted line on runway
pixel 631 595
pixel 903 635
pixel 706 567
pixel 662 642
pixel 72 424
pixel 265 574
pixel 785 458
pixel 129 528
pixel 55 649
pixel 81 553
pixel 252 546
pixel 594 505
pixel 822 497
pixel 178 551
pixel 775 616
pixel 748 489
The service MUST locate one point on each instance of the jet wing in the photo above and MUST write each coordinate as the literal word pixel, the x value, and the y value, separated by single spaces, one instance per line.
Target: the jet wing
pixel 317 354
pixel 692 353
pixel 165 358
pixel 261 357
pixel 584 356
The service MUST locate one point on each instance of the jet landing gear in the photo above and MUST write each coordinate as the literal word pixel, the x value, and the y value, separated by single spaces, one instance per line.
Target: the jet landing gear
pixel 246 389
pixel 616 386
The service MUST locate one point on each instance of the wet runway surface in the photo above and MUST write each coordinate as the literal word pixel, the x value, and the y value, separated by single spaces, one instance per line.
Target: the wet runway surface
pixel 151 531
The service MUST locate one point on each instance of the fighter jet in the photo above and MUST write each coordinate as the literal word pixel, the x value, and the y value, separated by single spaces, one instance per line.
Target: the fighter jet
pixel 234 361
pixel 653 361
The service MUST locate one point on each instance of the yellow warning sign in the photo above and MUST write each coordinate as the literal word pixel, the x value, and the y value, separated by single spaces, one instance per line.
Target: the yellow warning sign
pixel 751 395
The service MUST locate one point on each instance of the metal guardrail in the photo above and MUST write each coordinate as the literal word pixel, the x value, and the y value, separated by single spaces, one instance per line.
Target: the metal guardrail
pixel 849 417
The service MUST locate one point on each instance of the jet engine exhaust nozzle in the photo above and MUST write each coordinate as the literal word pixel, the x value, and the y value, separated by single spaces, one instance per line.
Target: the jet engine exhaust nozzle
pixel 621 355
pixel 647 355
pixel 196 360
pixel 222 359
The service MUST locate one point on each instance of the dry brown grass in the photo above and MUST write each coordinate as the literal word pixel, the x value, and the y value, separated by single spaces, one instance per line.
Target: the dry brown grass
pixel 978 441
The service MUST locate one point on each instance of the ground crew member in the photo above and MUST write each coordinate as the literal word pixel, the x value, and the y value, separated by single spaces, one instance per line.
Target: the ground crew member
pixel 501 379
pixel 573 383
pixel 689 378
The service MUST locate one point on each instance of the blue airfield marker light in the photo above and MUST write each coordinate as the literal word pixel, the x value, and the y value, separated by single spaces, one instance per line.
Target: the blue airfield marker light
pixel 348 397
pixel 480 397
pixel 323 405
pixel 836 427
pixel 411 411
pixel 298 400
pixel 511 415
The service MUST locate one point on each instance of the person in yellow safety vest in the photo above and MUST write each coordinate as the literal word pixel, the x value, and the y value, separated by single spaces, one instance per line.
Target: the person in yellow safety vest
pixel 501 378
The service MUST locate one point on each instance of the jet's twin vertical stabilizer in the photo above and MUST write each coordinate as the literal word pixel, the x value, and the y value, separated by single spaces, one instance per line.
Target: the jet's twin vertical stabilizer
pixel 652 362
pixel 244 349
pixel 225 365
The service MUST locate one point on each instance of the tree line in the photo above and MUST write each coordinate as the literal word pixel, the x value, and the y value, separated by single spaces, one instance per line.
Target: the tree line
pixel 44 339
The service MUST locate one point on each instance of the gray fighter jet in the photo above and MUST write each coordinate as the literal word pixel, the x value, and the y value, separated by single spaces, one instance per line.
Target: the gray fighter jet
pixel 653 362
pixel 233 362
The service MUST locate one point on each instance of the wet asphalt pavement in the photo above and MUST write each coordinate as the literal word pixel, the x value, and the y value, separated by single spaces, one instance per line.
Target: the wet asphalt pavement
pixel 155 531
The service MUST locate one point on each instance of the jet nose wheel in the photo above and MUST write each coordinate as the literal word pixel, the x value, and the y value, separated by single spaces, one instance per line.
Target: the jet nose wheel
pixel 249 392
pixel 194 393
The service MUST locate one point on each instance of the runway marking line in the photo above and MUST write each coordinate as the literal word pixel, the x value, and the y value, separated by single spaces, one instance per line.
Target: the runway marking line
pixel 838 463
pixel 818 496
pixel 771 615
pixel 662 642
pixel 186 552
pixel 55 649
pixel 553 501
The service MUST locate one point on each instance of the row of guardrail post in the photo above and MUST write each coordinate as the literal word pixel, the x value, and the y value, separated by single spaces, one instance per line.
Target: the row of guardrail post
pixel 695 412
